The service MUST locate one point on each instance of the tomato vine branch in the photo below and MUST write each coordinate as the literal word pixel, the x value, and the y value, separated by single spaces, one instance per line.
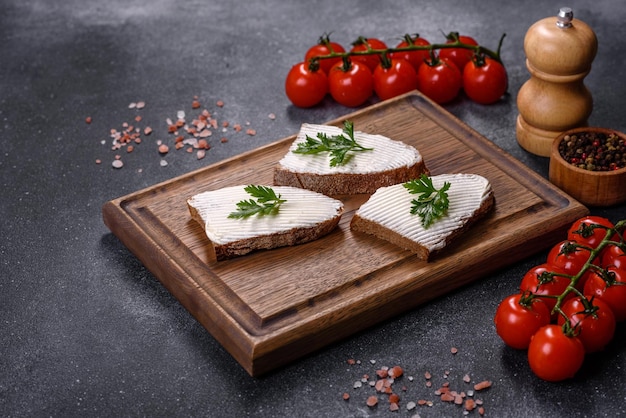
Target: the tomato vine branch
pixel 456 43
pixel 617 230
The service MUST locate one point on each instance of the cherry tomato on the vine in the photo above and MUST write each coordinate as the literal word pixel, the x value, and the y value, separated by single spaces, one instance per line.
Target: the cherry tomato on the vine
pixel 545 281
pixel 350 83
pixel 393 77
pixel 306 86
pixel 459 56
pixel 416 57
pixel 553 355
pixel 440 80
pixel 484 80
pixel 569 257
pixel 614 256
pixel 589 230
pixel 324 47
pixel 611 289
pixel 593 320
pixel 518 318
pixel 364 44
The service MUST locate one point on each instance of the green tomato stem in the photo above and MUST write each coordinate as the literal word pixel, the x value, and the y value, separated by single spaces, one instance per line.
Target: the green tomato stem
pixel 478 49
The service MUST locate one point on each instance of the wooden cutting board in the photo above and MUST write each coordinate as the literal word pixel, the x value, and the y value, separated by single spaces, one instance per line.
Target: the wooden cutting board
pixel 272 307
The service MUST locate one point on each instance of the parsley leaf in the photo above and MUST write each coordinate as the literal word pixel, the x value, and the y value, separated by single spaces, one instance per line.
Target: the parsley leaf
pixel 431 204
pixel 267 203
pixel 337 145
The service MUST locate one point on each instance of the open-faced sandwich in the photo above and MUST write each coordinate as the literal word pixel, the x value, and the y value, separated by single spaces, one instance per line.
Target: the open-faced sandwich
pixel 425 214
pixel 336 161
pixel 241 219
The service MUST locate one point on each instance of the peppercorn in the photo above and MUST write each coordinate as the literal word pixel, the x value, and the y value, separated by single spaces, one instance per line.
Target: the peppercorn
pixel 594 151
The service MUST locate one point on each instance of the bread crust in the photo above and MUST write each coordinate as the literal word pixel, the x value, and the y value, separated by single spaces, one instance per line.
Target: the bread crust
pixel 423 253
pixel 348 183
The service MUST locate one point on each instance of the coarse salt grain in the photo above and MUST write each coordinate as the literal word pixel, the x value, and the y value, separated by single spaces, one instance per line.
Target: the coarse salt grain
pixel 117 164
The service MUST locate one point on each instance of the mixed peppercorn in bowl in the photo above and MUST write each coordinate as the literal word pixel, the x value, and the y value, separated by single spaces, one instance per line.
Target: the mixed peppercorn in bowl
pixel 589 164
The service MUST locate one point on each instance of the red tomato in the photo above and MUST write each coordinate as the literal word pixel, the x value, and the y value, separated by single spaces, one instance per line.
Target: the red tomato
pixel 614 256
pixel 611 289
pixel 364 44
pixel 400 77
pixel 568 257
pixel 305 87
pixel 544 280
pixel 352 85
pixel 595 323
pixel 417 57
pixel 459 56
pixel 518 317
pixel 485 80
pixel 324 47
pixel 589 230
pixel 440 80
pixel 554 356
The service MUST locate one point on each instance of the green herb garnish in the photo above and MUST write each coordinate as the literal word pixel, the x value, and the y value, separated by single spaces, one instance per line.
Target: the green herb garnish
pixel 266 203
pixel 431 203
pixel 337 145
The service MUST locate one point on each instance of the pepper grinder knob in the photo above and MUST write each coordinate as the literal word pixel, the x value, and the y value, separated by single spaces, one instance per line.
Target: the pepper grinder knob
pixel 559 53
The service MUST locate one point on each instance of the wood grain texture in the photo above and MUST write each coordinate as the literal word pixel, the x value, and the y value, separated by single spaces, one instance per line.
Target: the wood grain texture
pixel 272 307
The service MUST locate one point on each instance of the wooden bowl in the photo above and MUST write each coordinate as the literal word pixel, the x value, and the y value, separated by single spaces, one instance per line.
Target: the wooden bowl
pixel 592 188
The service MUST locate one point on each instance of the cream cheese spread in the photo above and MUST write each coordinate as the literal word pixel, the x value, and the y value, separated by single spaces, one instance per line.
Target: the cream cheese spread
pixel 303 208
pixel 387 154
pixel 391 207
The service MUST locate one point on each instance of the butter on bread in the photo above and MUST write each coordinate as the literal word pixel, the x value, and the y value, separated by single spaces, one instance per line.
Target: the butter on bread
pixel 303 217
pixel 390 162
pixel 387 214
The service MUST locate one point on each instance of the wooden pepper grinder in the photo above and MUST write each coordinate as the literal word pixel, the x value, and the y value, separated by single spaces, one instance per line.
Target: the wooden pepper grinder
pixel 559 52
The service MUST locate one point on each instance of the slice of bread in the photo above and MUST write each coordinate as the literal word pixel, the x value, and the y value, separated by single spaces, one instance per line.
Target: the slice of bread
pixel 303 217
pixel 387 214
pixel 390 162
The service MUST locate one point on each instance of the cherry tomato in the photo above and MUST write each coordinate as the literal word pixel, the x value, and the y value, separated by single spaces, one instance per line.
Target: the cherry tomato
pixel 614 256
pixel 324 47
pixel 417 57
pixel 398 78
pixel 365 44
pixel 351 83
pixel 593 319
pixel 484 80
pixel 589 230
pixel 611 289
pixel 306 86
pixel 544 281
pixel 568 257
pixel 440 80
pixel 553 355
pixel 518 317
pixel 459 56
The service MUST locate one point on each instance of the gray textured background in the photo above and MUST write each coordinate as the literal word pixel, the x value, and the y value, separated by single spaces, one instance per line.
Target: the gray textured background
pixel 86 330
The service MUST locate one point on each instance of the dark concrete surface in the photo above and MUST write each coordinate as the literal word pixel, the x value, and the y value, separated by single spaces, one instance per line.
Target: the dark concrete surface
pixel 86 330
